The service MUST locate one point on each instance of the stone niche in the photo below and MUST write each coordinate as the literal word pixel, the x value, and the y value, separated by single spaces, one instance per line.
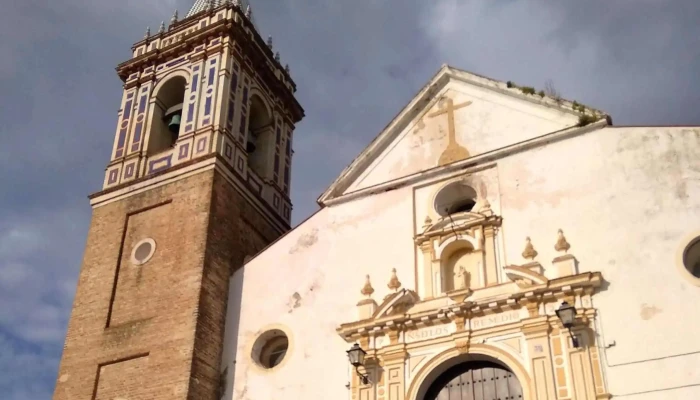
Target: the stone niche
pixel 457 246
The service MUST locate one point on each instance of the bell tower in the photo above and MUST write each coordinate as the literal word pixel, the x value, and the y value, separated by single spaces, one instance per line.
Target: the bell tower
pixel 198 179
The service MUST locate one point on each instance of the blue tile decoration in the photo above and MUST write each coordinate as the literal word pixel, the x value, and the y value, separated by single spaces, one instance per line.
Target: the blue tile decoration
pixel 159 164
pixel 112 176
pixel 129 170
pixel 184 150
pixel 201 144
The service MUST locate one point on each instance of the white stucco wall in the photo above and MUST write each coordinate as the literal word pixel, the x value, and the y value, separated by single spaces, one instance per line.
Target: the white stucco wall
pixel 625 198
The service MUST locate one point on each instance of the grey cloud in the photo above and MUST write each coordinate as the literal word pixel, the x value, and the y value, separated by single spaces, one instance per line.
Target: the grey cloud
pixel 356 65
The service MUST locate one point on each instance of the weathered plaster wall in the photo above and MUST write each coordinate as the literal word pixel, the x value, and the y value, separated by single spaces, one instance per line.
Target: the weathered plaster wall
pixel 310 282
pixel 625 198
pixel 490 122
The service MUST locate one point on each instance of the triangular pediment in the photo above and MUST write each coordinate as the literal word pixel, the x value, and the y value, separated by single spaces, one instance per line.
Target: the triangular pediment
pixel 457 116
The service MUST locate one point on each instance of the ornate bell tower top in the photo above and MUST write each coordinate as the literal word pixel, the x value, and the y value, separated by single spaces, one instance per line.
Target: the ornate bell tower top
pixel 207 87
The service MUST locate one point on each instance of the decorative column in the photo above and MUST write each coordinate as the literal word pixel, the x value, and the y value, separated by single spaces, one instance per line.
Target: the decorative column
pixel 490 255
pixel 536 331
pixel 392 383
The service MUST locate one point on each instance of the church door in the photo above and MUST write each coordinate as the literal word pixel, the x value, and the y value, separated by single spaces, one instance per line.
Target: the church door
pixel 476 381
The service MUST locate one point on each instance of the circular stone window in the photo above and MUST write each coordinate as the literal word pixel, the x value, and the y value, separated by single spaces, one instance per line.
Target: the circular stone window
pixel 691 257
pixel 270 348
pixel 143 251
pixel 454 198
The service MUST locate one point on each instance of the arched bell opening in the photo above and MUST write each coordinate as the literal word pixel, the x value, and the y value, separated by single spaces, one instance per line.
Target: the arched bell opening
pixel 471 376
pixel 260 141
pixel 167 115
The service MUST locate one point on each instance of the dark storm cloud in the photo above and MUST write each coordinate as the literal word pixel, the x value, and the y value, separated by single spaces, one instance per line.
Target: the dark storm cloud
pixel 356 64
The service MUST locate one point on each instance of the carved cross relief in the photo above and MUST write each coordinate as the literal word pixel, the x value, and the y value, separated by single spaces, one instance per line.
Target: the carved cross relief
pixel 453 152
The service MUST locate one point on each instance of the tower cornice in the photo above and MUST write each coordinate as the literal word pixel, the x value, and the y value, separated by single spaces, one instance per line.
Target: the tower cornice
pixel 238 26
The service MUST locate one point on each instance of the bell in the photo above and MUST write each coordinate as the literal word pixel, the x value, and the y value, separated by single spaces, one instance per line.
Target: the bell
pixel 250 147
pixel 174 123
pixel 173 115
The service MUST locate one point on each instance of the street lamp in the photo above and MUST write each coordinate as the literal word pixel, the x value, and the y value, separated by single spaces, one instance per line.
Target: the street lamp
pixel 567 315
pixel 357 358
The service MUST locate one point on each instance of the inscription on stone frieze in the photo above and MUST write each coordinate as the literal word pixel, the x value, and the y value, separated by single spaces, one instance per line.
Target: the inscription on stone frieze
pixel 489 321
pixel 430 332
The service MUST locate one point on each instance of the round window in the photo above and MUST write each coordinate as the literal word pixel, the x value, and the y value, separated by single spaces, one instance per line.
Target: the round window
pixel 143 251
pixel 691 257
pixel 270 348
pixel 454 198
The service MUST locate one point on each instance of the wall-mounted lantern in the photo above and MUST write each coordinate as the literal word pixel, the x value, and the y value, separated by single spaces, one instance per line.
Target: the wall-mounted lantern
pixel 356 355
pixel 567 315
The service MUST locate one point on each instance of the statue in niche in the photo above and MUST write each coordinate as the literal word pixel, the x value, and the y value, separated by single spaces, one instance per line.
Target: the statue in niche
pixel 461 278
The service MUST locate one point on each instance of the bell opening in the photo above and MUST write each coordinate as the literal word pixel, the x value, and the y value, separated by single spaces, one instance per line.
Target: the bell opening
pixel 172 119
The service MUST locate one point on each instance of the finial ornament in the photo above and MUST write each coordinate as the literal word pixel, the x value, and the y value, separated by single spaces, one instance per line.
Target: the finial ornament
pixel 162 27
pixel 237 3
pixel 562 244
pixel 249 12
pixel 148 32
pixel 286 68
pixel 367 290
pixel 394 283
pixel 529 253
pixel 277 56
pixel 173 20
pixel 269 42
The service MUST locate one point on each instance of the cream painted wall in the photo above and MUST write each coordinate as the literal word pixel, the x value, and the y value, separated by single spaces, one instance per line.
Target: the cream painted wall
pixel 322 263
pixel 625 198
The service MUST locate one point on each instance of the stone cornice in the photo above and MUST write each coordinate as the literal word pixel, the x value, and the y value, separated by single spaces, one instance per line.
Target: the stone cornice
pixel 584 283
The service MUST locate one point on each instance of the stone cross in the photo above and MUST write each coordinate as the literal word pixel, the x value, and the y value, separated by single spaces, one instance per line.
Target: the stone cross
pixel 454 151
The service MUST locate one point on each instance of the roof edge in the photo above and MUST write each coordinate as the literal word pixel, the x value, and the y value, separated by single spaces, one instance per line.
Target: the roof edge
pixel 435 84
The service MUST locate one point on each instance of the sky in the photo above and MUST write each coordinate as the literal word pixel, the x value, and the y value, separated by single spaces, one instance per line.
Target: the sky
pixel 355 63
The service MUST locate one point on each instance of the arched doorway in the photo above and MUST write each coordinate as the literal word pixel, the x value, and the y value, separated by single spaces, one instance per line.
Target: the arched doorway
pixel 475 380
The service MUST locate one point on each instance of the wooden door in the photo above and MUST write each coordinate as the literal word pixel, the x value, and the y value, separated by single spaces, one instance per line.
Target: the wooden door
pixel 476 381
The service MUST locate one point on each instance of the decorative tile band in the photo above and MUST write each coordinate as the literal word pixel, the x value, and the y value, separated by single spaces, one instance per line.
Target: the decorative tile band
pixel 254 184
pixel 195 80
pixel 142 104
pixel 184 150
pixel 129 170
pixel 113 176
pixel 159 164
pixel 207 106
pixel 201 144
pixel 277 167
pixel 190 112
pixel 176 62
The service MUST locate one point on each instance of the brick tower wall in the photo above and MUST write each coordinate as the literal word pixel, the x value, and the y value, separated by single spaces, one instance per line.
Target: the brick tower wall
pixel 155 331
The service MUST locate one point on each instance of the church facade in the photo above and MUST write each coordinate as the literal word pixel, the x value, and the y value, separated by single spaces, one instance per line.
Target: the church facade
pixel 490 243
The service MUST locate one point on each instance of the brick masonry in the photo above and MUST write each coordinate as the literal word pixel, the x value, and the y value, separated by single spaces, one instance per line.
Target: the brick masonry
pixel 156 331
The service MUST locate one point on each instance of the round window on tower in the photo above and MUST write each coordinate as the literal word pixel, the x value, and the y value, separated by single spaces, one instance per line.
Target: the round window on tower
pixel 270 349
pixel 143 251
